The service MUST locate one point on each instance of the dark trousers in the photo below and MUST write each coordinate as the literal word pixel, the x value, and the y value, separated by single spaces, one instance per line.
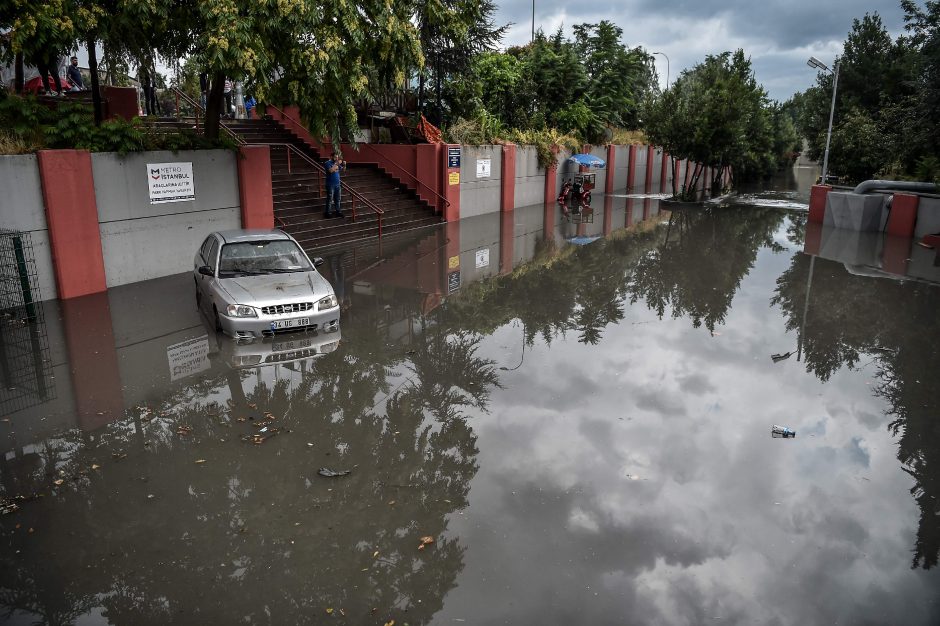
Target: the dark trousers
pixel 333 199
pixel 45 69
pixel 150 100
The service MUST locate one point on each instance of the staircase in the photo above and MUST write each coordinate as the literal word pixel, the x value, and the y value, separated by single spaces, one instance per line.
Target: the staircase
pixel 300 200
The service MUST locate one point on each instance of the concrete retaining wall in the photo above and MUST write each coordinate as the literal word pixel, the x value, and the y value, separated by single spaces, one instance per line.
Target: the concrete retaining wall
pixel 480 195
pixel 530 178
pixel 140 240
pixel 22 208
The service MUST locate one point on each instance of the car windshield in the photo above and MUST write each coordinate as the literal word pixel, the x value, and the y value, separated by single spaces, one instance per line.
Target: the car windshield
pixel 262 257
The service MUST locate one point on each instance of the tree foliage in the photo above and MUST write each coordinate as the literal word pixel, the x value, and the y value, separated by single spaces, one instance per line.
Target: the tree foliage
pixel 886 110
pixel 717 114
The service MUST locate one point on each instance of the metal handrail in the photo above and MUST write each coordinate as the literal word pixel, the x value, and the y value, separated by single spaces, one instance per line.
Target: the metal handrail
pixel 182 95
pixel 320 170
pixel 405 172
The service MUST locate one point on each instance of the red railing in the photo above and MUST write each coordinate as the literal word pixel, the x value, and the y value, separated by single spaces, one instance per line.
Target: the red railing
pixel 409 175
pixel 403 171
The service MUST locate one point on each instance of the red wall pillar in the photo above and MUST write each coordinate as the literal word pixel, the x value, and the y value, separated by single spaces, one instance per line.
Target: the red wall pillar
pixel 507 240
pixel 817 203
pixel 121 102
pixel 649 169
pixel 628 221
pixel 903 215
pixel 551 182
pixel 450 183
pixel 631 168
pixel 812 240
pixel 508 178
pixel 68 191
pixel 897 253
pixel 93 361
pixel 254 186
pixel 611 163
pixel 608 215
pixel 451 250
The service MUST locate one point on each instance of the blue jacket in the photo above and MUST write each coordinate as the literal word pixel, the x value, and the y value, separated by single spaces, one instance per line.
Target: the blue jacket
pixel 332 178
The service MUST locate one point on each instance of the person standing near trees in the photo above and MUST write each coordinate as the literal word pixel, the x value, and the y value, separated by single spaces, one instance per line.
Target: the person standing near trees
pixel 334 166
pixel 147 85
pixel 74 74
pixel 48 63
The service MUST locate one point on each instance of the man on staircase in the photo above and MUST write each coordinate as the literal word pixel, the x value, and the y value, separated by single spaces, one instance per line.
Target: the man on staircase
pixel 333 166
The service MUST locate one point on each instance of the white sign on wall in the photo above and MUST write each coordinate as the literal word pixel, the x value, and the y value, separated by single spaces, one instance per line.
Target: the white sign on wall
pixel 483 168
pixel 483 258
pixel 170 182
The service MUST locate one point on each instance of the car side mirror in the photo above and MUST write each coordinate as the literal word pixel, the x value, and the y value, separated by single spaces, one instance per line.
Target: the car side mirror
pixel 205 270
pixel 318 261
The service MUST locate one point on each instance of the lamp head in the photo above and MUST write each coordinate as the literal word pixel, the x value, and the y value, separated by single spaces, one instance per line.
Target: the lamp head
pixel 816 63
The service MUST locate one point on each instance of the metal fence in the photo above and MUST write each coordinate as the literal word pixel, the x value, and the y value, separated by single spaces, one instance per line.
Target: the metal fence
pixel 25 368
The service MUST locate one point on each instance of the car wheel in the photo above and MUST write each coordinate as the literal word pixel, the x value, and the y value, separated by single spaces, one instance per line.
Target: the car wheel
pixel 218 322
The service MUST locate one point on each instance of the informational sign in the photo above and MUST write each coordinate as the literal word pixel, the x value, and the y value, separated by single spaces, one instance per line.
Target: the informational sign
pixel 170 182
pixel 483 258
pixel 453 282
pixel 188 357
pixel 453 157
pixel 453 262
pixel 483 168
pixel 454 178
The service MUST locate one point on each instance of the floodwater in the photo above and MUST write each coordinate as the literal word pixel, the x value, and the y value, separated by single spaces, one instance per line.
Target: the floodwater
pixel 577 411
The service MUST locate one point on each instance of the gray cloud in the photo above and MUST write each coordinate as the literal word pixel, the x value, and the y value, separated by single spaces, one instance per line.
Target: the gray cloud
pixel 778 35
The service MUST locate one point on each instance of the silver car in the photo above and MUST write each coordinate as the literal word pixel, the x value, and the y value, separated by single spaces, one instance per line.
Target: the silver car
pixel 258 283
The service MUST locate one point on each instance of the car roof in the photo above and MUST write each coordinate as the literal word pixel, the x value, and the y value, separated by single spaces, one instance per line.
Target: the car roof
pixel 252 234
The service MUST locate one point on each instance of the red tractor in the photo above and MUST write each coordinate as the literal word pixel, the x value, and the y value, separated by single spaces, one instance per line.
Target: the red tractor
pixel 577 191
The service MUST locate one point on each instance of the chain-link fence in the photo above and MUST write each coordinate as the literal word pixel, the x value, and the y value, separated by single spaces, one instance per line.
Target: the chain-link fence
pixel 25 368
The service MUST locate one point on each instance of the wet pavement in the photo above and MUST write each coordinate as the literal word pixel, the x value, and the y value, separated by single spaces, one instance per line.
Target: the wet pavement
pixel 576 410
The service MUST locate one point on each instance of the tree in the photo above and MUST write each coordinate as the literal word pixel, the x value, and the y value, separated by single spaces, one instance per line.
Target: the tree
pixel 451 34
pixel 619 79
pixel 717 115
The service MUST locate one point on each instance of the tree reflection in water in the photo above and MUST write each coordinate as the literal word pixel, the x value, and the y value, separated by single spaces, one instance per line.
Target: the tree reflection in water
pixel 698 269
pixel 252 533
pixel 893 325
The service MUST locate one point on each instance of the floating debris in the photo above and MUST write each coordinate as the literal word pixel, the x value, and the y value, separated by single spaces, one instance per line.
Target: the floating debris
pixel 425 541
pixel 782 432
pixel 261 436
pixel 184 430
pixel 330 473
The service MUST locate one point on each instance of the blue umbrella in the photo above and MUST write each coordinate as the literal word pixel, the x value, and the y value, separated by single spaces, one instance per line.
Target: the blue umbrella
pixel 588 160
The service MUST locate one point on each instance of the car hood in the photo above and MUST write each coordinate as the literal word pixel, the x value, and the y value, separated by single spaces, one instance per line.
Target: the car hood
pixel 277 288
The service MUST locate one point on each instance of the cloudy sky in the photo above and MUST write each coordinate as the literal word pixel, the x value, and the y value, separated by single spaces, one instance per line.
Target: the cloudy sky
pixel 778 35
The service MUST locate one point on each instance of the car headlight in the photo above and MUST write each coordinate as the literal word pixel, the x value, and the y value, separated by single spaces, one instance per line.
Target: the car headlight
pixel 241 310
pixel 328 302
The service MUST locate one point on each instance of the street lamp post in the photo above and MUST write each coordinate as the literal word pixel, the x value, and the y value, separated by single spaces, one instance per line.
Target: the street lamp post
pixel 816 63
pixel 533 21
pixel 667 66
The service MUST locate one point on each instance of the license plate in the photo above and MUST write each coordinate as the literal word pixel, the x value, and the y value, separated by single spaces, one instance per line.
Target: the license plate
pixel 296 344
pixel 293 323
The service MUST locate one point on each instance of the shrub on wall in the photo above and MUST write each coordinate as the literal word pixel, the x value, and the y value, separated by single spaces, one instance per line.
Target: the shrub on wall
pixel 29 125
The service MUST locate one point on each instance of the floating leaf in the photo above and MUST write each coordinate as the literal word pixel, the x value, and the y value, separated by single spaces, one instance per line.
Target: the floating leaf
pixel 426 540
pixel 200 461
pixel 375 554
pixel 329 611
pixel 58 482
pixel 95 466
